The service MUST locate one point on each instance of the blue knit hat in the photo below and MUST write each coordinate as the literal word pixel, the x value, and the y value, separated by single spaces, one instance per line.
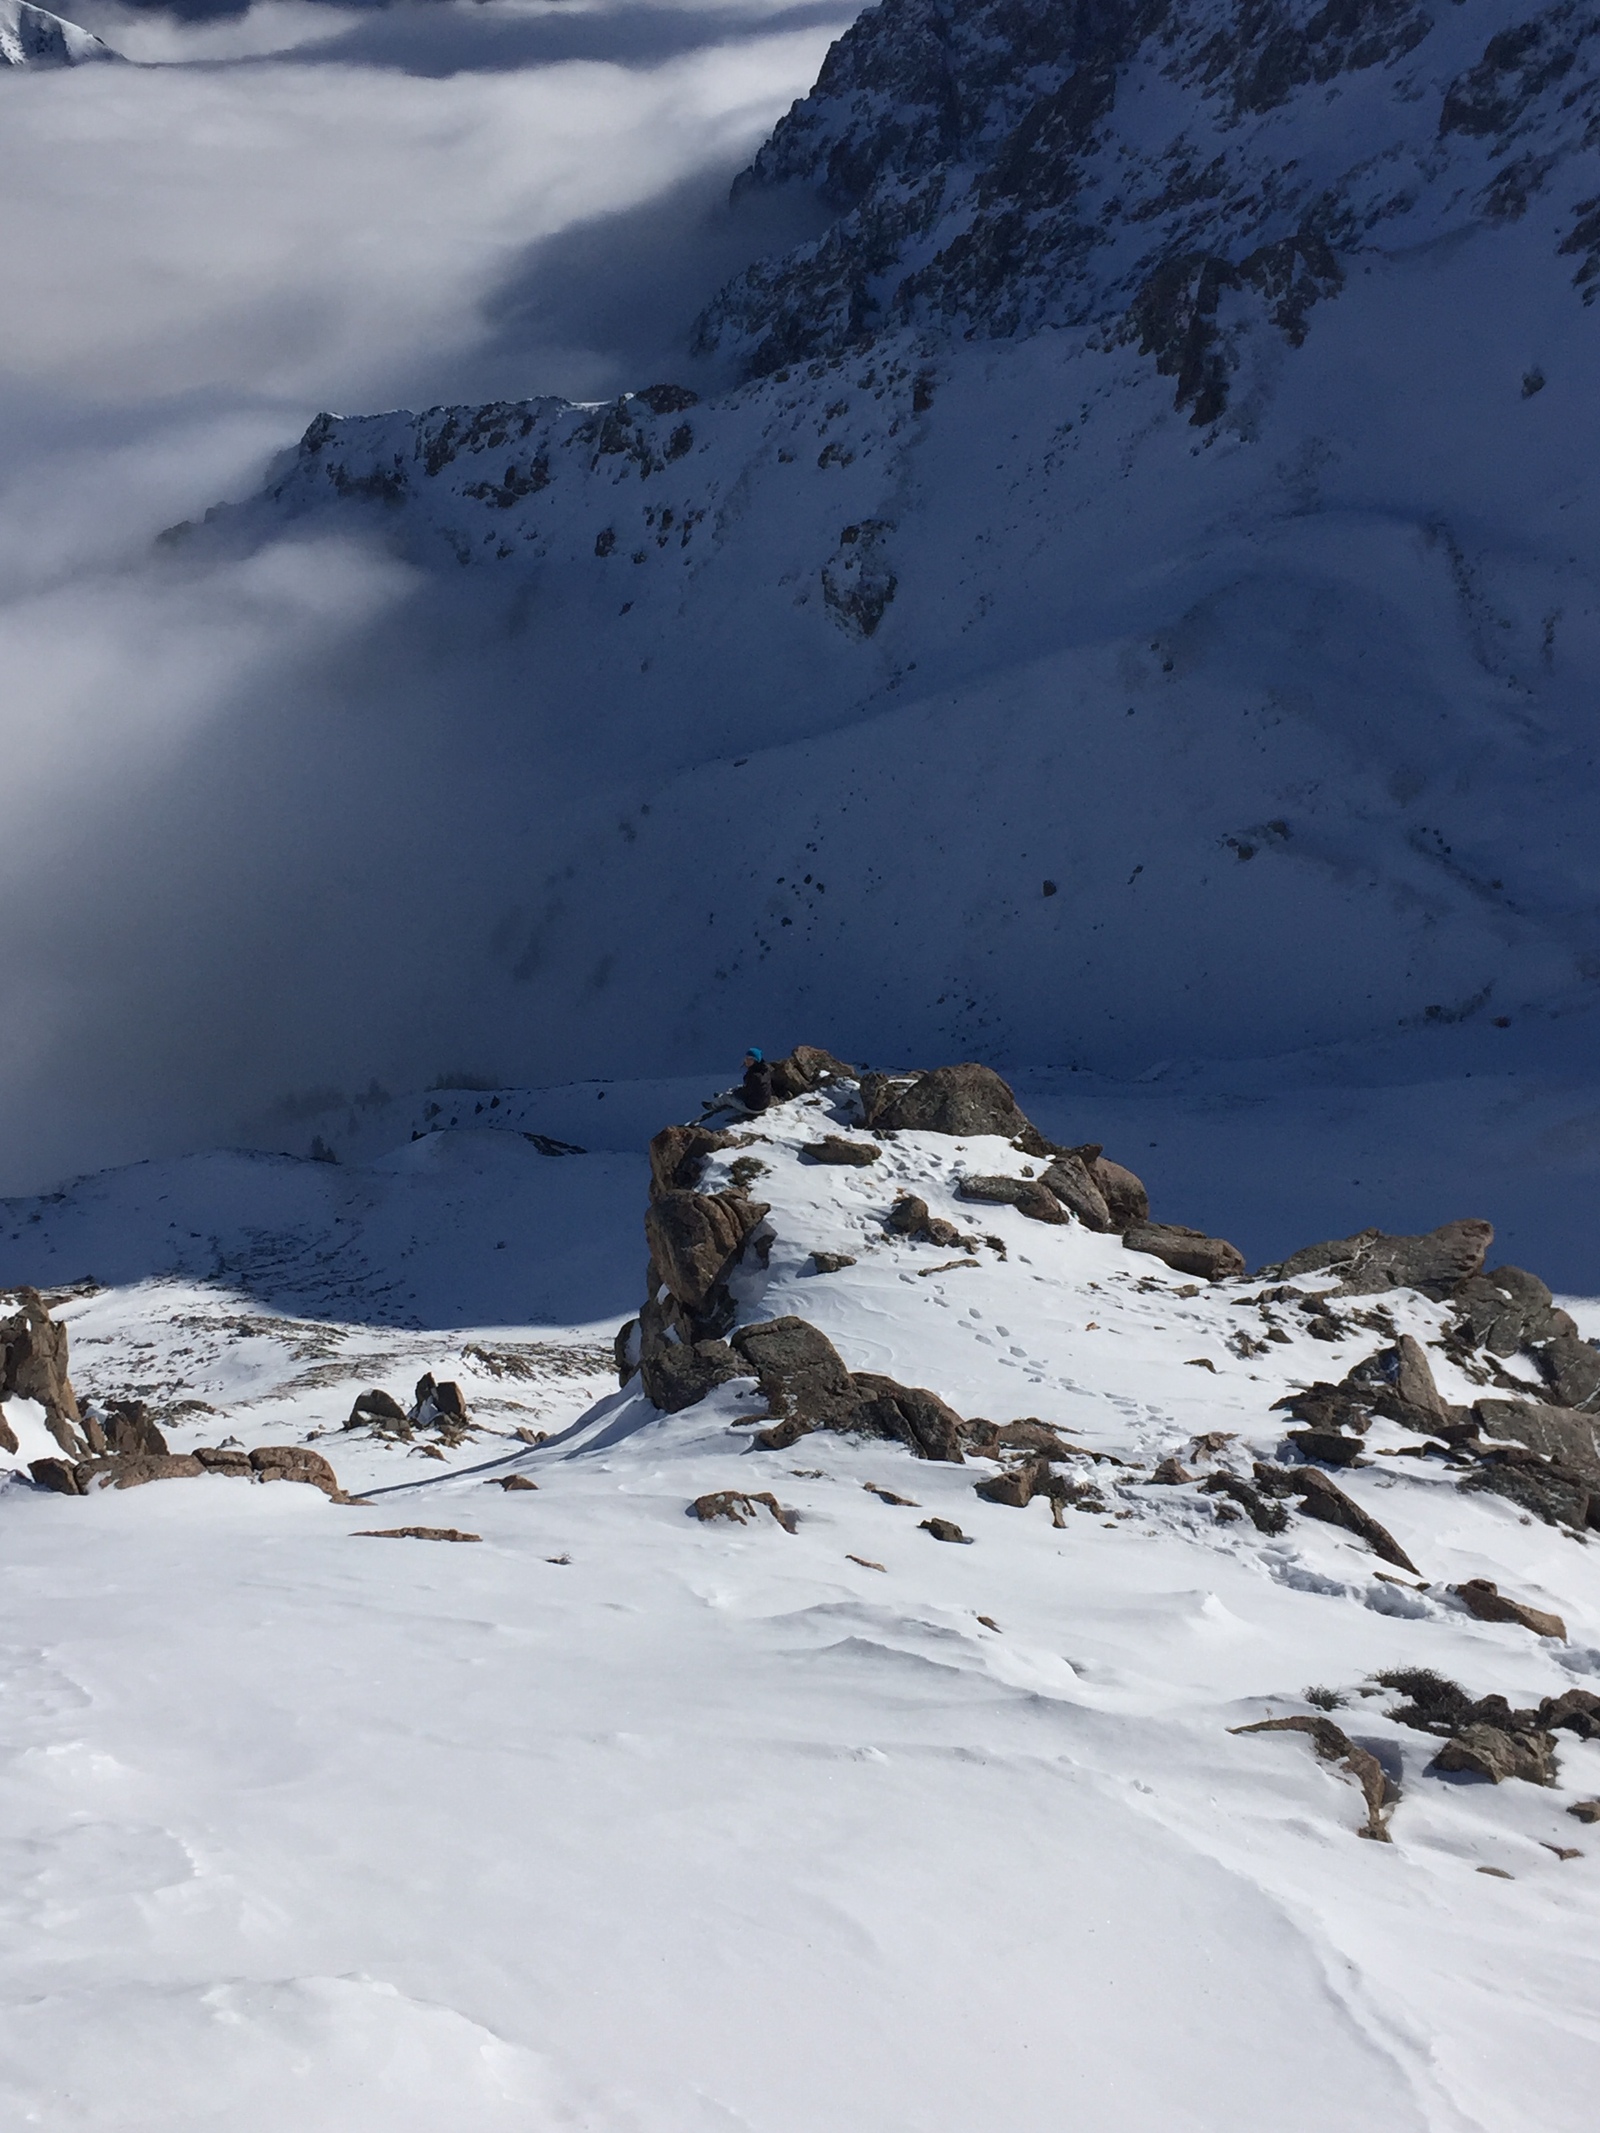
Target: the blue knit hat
pixel 754 1051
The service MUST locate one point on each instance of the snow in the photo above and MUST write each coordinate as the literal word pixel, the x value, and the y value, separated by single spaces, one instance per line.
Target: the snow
pixel 618 1820
pixel 33 37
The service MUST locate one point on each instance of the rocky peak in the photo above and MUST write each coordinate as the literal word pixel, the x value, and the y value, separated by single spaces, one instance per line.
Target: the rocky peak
pixel 1153 171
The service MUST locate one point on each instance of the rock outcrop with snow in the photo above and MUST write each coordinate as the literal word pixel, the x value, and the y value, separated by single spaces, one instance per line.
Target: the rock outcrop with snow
pixel 32 37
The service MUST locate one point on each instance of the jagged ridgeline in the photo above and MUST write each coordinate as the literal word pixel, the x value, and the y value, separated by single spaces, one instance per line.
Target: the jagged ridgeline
pixel 1124 592
pixel 1127 165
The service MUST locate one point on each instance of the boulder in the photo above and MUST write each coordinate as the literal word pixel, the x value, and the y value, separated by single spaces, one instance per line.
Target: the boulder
pixel 995 1191
pixel 1585 1810
pixel 1508 1308
pixel 1127 1202
pixel 1186 1251
pixel 1558 1496
pixel 1265 1515
pixel 879 1091
pixel 1576 1709
pixel 295 1462
pixel 1320 1498
pixel 965 1100
pixel 832 1262
pixel 918 1418
pixel 1334 1745
pixel 1496 1754
pixel 677 1155
pixel 1171 1473
pixel 1017 1486
pixel 375 1406
pixel 1483 1598
pixel 1571 1369
pixel 1329 1446
pixel 742 1509
pixel 678 1375
pixel 945 1529
pixel 910 1217
pixel 9 1440
pixel 695 1239
pixel 801 1374
pixel 834 1148
pixel 1072 1183
pixel 1371 1261
pixel 1325 1407
pixel 807 1067
pixel 1398 1382
pixel 57 1475
pixel 627 1349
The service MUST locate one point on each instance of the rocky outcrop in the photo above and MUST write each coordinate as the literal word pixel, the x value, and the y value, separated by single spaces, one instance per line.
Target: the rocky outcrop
pixel 1186 1251
pixel 1507 1309
pixel 1334 1745
pixel 742 1509
pixel 1493 1753
pixel 801 1375
pixel 835 1149
pixel 966 1101
pixel 32 37
pixel 678 1154
pixel 1322 1499
pixel 911 1217
pixel 694 1239
pixel 1435 1264
pixel 295 1462
pixel 1029 1196
pixel 33 1366
pixel 679 1374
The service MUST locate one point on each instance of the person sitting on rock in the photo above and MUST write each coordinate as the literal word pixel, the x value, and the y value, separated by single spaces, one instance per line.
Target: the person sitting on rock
pixel 755 1092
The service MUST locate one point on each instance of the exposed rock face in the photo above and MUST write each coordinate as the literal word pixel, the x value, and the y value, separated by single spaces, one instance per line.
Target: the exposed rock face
pixel 694 1239
pixel 963 1100
pixel 1127 1202
pixel 1029 1196
pixel 132 1473
pixel 1436 1264
pixel 33 1366
pixel 1322 1499
pixel 1078 1190
pixel 916 1417
pixel 807 1067
pixel 375 1406
pixel 1571 1440
pixel 129 1432
pixel 1186 1251
pixel 677 1155
pixel 1507 1309
pixel 1571 1370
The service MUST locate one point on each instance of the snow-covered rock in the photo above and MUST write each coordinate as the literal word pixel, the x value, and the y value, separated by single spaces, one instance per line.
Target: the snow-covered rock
pixel 32 37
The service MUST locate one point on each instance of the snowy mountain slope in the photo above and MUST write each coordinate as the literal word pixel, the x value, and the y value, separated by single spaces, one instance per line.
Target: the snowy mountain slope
pixel 853 1826
pixel 965 691
pixel 32 37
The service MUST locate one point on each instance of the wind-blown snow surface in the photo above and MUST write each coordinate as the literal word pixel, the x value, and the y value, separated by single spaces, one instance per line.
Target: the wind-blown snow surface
pixel 616 1820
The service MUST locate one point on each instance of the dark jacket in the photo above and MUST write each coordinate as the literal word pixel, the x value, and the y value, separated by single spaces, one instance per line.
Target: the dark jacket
pixel 756 1089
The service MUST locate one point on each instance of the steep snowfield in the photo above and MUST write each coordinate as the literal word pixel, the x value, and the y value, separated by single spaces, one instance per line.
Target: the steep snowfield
pixel 33 37
pixel 615 1819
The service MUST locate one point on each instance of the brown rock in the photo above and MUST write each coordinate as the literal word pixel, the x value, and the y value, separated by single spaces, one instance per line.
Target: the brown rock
pixel 1398 1382
pixel 945 1529
pixel 130 1433
pixel 695 1239
pixel 962 1100
pixel 1585 1810
pixel 1069 1178
pixel 832 1262
pixel 517 1481
pixel 1334 1745
pixel 414 1533
pixel 1327 1445
pixel 230 1459
pixel 1017 1486
pixel 135 1471
pixel 807 1067
pixel 679 1374
pixel 1553 1493
pixel 1556 1433
pixel 678 1154
pixel 1319 1498
pixel 1171 1473
pixel 742 1508
pixel 1369 1262
pixel 910 1413
pixel 295 1462
pixel 1127 1202
pixel 1186 1251
pixel 33 1366
pixel 834 1148
pixel 910 1217
pixel 1496 1754
pixel 998 1191
pixel 1484 1599
pixel 1265 1515
pixel 56 1475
